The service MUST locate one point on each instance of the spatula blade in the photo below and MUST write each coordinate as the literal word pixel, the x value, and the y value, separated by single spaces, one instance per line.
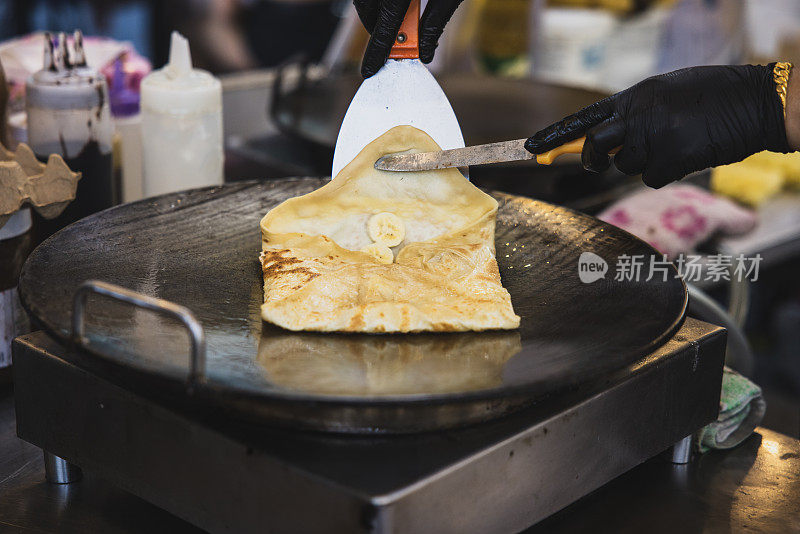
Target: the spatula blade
pixel 402 92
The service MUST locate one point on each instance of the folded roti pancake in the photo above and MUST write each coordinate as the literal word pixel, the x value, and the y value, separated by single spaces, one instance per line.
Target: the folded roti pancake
pixel 444 276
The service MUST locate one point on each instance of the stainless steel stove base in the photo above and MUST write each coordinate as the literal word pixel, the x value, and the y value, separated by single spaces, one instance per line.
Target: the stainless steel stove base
pixel 496 477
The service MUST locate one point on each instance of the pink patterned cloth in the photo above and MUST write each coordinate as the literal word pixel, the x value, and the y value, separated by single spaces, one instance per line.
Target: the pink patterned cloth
pixel 677 218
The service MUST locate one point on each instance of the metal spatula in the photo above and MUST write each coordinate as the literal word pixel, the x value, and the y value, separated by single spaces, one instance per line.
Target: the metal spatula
pixel 402 92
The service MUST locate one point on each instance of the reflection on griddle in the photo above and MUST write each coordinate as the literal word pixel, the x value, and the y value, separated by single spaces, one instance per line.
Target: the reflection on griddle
pixel 376 365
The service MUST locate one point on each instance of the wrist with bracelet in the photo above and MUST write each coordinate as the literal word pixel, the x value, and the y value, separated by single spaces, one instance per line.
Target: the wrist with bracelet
pixel 780 74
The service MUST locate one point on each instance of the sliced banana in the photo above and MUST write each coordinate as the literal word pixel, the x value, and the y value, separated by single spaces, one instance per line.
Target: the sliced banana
pixel 380 252
pixel 386 228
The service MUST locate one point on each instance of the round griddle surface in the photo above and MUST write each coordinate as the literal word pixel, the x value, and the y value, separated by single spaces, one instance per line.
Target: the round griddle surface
pixel 200 249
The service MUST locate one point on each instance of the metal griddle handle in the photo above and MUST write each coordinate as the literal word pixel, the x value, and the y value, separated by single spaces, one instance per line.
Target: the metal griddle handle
pixel 197 366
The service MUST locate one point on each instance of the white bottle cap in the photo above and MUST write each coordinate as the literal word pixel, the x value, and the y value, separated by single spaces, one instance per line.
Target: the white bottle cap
pixel 178 89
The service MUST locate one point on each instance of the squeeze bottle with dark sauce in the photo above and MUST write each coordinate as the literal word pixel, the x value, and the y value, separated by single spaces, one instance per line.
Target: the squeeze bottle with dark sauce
pixel 68 114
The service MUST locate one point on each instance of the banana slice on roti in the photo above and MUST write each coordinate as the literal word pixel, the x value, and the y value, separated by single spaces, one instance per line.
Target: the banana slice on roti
pixel 380 252
pixel 386 228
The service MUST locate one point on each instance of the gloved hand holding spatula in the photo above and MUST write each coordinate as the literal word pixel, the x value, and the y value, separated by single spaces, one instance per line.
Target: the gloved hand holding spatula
pixel 382 19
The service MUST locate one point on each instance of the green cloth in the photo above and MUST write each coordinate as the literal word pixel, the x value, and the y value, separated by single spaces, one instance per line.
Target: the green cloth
pixel 741 409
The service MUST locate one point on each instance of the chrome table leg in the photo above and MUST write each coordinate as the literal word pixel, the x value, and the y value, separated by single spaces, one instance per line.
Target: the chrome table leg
pixel 59 471
pixel 682 451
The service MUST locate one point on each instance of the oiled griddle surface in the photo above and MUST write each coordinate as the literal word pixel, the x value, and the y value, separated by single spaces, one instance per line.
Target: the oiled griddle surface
pixel 200 249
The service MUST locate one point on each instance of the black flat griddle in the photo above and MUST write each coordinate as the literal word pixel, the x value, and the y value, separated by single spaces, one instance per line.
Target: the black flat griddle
pixel 199 249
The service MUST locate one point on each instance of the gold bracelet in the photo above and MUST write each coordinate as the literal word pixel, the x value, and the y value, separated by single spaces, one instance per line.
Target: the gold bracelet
pixel 780 73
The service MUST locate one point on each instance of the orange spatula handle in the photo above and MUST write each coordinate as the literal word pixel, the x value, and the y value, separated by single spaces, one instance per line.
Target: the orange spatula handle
pixel 406 45
pixel 573 147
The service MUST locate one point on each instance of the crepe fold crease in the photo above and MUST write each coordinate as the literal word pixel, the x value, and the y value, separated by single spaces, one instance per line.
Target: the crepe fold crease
pixel 444 276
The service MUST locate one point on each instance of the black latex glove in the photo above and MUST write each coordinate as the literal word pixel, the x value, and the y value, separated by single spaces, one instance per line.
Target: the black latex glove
pixel 677 123
pixel 382 19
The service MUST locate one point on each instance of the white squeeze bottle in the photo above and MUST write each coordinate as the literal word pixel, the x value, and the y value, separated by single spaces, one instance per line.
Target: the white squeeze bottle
pixel 181 125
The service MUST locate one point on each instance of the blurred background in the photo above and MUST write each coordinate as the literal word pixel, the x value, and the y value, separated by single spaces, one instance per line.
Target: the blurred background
pixel 596 43
pixel 510 67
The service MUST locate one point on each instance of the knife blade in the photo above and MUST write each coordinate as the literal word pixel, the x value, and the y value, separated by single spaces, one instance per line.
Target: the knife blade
pixel 501 152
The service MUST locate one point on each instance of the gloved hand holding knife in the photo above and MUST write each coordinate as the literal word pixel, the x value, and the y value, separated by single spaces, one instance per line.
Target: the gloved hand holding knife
pixel 670 125
pixel 664 127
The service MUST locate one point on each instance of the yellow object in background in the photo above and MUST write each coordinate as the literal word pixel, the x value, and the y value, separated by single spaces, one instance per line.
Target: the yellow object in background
pixel 622 6
pixel 757 178
pixel 787 164
pixel 503 36
pixel 617 6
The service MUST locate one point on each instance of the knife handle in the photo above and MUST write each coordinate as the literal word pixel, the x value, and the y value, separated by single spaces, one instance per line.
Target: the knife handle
pixel 572 147
pixel 406 45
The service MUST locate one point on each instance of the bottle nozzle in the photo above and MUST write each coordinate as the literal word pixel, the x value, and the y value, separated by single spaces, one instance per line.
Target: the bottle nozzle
pixel 80 54
pixel 62 38
pixel 60 51
pixel 57 56
pixel 180 59
pixel 49 52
